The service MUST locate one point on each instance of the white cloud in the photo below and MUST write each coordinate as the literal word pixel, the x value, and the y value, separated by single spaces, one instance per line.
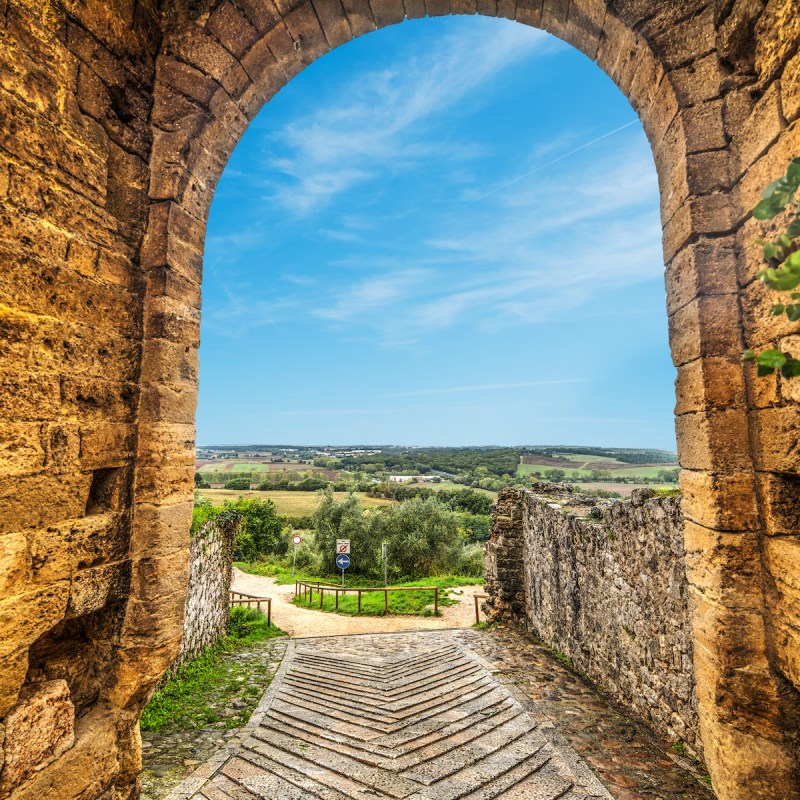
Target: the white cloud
pixel 377 123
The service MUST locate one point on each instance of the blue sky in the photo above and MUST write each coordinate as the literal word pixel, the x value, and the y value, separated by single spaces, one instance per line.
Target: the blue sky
pixel 445 233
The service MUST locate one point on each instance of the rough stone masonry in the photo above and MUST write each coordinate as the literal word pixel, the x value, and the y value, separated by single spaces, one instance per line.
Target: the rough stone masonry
pixel 604 584
pixel 116 120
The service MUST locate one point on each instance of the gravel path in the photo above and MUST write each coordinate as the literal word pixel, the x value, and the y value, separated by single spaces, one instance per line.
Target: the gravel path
pixel 303 622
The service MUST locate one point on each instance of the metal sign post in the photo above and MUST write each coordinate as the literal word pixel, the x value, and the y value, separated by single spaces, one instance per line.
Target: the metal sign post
pixel 343 562
pixel 295 541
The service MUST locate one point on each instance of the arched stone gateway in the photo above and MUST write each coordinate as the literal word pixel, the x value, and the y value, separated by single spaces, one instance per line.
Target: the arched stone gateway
pixel 116 120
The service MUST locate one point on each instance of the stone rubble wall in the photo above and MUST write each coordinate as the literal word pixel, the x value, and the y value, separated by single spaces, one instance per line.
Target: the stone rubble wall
pixel 605 585
pixel 208 601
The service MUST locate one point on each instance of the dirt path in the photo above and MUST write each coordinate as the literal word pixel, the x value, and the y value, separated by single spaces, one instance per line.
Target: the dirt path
pixel 302 622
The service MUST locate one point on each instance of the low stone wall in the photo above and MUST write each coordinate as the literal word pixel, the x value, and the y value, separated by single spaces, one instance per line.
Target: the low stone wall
pixel 208 601
pixel 603 583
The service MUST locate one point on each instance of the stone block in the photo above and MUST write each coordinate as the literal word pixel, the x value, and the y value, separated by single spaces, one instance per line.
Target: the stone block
pixel 106 445
pixel 39 729
pixel 61 550
pixel 24 617
pixel 21 449
pixel 707 326
pixel 714 441
pixel 712 384
pixel 359 16
pixel 777 33
pixel 782 560
pixel 334 22
pixel 91 589
pixel 155 577
pixel 790 89
pixel 528 12
pixel 232 29
pixel 21 500
pixel 15 564
pixel 161 529
pixel 699 81
pixel 415 9
pixel 304 28
pixel 776 429
pixel 707 267
pixel 760 131
pixel 584 29
pixel 198 49
pixel 386 12
pixel 724 501
pixel 704 126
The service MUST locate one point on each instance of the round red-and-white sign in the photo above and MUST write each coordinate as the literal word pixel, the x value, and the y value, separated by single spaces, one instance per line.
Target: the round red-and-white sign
pixel 297 539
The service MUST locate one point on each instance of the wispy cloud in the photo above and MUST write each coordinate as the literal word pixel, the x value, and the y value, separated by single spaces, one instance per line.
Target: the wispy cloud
pixel 380 119
pixel 484 387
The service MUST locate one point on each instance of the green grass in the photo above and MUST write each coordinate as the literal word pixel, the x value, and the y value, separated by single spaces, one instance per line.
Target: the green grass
pixel 202 688
pixel 413 603
pixel 292 504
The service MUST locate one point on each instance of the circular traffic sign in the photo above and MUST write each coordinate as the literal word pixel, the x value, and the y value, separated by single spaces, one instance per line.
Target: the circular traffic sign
pixel 342 561
pixel 297 539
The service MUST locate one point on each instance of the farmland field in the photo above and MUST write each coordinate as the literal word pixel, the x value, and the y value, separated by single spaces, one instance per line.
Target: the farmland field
pixel 447 485
pixel 293 504
pixel 641 471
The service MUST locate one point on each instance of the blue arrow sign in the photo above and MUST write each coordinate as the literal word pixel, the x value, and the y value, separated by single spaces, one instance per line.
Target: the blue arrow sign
pixel 342 561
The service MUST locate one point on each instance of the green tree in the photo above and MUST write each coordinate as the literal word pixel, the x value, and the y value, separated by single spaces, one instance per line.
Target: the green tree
pixel 554 475
pixel 423 537
pixel 238 483
pixel 346 519
pixel 261 528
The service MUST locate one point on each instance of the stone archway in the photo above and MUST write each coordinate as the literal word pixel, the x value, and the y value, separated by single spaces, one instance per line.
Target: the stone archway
pixel 119 121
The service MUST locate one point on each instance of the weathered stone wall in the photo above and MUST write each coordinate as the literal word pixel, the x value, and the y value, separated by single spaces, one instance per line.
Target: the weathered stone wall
pixel 116 120
pixel 604 584
pixel 207 608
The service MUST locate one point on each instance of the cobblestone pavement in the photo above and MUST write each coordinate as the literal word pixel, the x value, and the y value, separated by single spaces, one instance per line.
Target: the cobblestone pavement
pixel 623 753
pixel 435 716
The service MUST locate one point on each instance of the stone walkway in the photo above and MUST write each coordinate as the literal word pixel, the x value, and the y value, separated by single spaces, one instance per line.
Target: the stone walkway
pixel 436 716
pixel 416 716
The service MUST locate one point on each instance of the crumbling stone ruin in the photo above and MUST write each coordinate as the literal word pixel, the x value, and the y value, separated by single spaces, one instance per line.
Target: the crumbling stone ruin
pixel 116 120
pixel 604 585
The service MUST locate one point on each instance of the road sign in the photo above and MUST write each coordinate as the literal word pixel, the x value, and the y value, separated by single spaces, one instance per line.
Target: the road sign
pixel 297 539
pixel 343 546
pixel 343 561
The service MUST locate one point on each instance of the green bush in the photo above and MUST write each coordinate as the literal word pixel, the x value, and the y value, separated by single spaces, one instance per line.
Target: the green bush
pixel 238 483
pixel 471 561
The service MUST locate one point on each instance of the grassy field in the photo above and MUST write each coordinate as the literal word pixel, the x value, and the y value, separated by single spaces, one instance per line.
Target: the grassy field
pixel 293 504
pixel 440 487
pixel 644 471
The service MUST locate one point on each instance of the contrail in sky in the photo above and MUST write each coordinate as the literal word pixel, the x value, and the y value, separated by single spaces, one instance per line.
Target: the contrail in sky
pixel 554 161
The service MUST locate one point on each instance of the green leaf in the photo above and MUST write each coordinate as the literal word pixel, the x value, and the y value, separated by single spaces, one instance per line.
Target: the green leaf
pixel 763 371
pixel 785 241
pixel 770 251
pixel 767 209
pixel 793 173
pixel 777 309
pixel 794 228
pixel 791 369
pixel 773 359
pixel 748 355
pixel 793 312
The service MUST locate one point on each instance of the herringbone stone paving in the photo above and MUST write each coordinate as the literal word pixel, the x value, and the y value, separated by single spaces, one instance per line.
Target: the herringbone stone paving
pixel 403 716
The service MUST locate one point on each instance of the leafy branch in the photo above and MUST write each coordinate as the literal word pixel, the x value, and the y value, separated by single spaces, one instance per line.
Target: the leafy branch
pixel 782 273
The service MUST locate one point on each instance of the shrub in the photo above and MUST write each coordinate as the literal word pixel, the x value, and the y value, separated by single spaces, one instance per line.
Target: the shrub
pixel 238 483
